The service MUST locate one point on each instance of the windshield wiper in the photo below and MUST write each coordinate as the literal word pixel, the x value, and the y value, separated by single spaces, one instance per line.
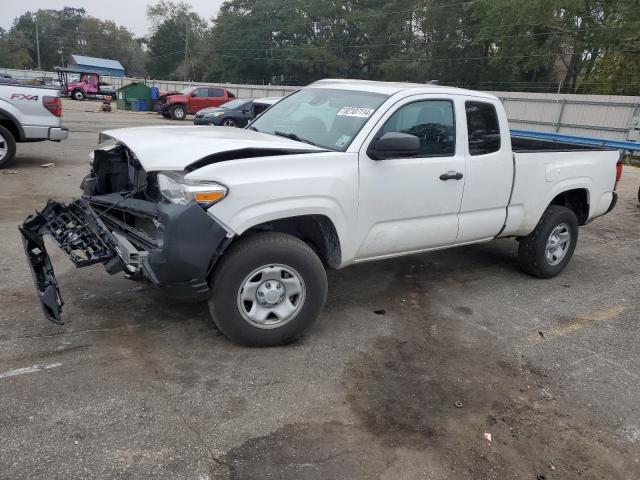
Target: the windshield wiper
pixel 295 137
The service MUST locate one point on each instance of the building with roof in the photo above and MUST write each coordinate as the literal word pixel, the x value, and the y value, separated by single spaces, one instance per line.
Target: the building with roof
pixel 103 66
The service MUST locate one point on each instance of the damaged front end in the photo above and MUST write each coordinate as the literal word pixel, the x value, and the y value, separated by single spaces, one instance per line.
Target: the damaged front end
pixel 124 222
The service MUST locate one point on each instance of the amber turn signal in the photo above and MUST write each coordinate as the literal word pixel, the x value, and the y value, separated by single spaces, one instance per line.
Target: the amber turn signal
pixel 208 197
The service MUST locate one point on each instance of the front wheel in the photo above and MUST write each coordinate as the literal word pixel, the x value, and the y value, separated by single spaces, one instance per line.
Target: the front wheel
pixel 546 251
pixel 178 112
pixel 229 122
pixel 267 290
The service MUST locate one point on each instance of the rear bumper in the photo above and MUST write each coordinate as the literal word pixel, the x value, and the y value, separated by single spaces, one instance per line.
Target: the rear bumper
pixel 57 134
pixel 35 132
pixel 177 256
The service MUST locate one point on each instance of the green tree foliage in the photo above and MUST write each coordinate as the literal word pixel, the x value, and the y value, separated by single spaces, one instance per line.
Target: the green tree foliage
pixel 65 32
pixel 588 46
pixel 488 44
pixel 174 24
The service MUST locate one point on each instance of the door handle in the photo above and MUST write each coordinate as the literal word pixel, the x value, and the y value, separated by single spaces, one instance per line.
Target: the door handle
pixel 451 176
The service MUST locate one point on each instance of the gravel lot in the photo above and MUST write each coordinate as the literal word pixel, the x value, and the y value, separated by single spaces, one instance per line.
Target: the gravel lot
pixel 133 386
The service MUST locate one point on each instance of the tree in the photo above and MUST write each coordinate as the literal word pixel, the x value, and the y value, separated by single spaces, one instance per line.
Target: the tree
pixel 174 25
pixel 68 31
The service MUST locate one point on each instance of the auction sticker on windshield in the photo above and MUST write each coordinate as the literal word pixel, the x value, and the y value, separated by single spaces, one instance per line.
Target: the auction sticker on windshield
pixel 356 112
pixel 342 141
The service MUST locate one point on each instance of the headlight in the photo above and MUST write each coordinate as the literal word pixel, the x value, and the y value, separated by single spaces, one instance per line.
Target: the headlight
pixel 177 189
pixel 214 114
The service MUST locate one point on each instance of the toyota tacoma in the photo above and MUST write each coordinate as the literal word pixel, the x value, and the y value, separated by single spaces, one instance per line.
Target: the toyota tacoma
pixel 338 173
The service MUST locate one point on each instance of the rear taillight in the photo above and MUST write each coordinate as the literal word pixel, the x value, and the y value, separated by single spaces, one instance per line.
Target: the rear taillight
pixel 53 104
pixel 618 174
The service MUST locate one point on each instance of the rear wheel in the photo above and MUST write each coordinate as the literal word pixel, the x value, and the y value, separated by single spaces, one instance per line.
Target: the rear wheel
pixel 7 146
pixel 78 95
pixel 178 112
pixel 229 122
pixel 267 290
pixel 546 251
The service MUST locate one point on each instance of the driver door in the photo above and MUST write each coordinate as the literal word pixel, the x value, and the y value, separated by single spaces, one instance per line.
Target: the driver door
pixel 198 99
pixel 405 206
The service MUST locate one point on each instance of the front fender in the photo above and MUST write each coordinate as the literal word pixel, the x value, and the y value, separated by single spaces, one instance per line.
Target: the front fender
pixel 277 209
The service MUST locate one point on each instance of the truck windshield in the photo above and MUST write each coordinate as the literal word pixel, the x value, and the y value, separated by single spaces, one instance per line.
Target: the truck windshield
pixel 325 117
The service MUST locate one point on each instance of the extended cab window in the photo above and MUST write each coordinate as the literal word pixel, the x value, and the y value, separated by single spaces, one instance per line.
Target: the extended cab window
pixel 483 128
pixel 432 121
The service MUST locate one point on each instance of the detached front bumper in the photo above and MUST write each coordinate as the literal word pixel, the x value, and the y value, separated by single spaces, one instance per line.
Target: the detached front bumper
pixel 175 249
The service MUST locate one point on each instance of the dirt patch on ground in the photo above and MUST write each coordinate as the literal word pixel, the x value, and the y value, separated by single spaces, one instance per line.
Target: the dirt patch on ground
pixel 313 451
pixel 424 399
pixel 439 394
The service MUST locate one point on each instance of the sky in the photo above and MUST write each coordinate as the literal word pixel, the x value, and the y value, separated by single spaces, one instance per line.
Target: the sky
pixel 128 13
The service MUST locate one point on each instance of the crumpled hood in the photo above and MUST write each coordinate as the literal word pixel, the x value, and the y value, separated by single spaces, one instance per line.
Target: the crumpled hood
pixel 175 148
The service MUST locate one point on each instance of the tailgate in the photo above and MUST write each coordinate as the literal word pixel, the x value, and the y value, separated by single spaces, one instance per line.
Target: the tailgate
pixel 79 232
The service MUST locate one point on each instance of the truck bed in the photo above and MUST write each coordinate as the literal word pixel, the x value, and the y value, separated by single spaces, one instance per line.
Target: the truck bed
pixel 529 145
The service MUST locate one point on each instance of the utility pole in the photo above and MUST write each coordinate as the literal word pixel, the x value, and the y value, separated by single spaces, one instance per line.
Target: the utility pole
pixel 61 52
pixel 37 42
pixel 186 48
pixel 81 40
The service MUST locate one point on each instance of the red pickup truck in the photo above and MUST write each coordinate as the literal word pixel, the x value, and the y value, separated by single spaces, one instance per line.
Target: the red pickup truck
pixel 176 105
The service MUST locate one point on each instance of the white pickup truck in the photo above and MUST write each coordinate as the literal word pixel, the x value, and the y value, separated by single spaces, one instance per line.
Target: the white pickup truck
pixel 28 114
pixel 338 173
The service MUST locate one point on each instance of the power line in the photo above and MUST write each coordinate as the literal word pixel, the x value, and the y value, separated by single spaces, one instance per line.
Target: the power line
pixel 458 58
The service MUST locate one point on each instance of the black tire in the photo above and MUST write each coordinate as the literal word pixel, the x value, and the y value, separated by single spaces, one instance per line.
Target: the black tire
pixel 166 114
pixel 7 147
pixel 236 266
pixel 532 252
pixel 229 122
pixel 178 112
pixel 78 95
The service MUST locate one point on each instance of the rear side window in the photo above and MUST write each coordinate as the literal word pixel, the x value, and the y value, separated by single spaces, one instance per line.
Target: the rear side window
pixel 216 92
pixel 483 128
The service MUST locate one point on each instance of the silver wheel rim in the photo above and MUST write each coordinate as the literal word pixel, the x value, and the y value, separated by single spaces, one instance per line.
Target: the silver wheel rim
pixel 271 296
pixel 78 96
pixel 179 113
pixel 228 123
pixel 4 148
pixel 558 244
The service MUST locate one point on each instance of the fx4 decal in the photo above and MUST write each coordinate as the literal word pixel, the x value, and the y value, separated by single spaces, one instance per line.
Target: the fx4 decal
pixel 22 96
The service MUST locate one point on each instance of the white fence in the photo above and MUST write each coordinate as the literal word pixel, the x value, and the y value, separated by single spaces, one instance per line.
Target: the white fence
pixel 255 91
pixel 602 116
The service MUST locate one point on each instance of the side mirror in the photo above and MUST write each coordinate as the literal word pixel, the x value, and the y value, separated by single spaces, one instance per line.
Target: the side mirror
pixel 394 145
